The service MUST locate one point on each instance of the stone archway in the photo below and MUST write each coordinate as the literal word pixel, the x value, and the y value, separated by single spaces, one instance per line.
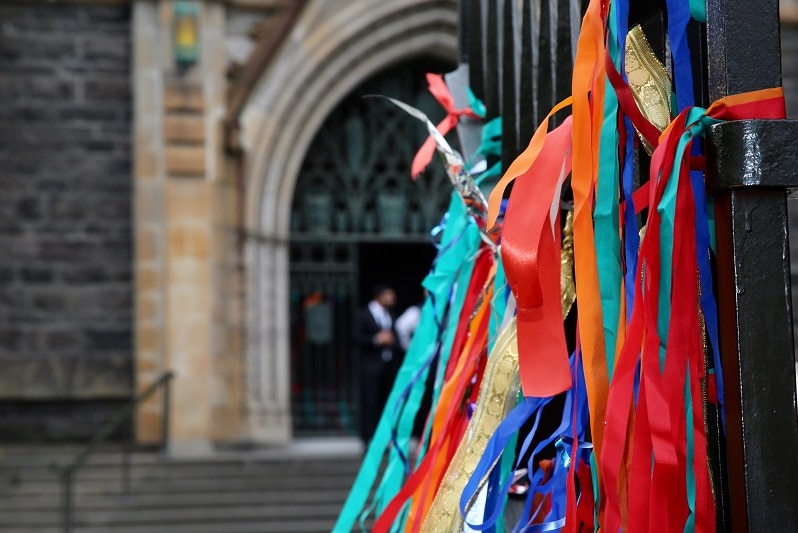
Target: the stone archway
pixel 334 47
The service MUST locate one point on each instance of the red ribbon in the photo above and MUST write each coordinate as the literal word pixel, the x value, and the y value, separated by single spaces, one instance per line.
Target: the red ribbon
pixel 438 89
pixel 530 250
pixel 643 463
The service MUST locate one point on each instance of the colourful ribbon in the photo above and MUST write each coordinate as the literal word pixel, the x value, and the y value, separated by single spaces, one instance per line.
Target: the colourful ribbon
pixel 531 256
pixel 440 91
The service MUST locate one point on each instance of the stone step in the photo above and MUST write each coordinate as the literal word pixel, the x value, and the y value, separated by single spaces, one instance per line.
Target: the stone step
pixel 158 500
pixel 168 469
pixel 123 516
pixel 310 449
pixel 197 485
pixel 303 526
pixel 224 493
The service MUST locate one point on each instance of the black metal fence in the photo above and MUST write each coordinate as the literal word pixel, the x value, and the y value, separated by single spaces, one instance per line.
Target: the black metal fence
pixel 520 56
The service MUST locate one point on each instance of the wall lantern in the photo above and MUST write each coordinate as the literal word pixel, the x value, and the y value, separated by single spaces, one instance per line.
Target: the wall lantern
pixel 186 34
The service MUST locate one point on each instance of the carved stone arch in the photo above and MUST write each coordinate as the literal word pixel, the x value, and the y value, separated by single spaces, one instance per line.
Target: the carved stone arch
pixel 335 46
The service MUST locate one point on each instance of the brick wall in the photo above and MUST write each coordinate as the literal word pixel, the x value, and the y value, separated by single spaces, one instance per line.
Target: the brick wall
pixel 65 217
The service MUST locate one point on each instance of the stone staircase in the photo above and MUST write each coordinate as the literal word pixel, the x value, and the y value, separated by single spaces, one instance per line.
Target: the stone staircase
pixel 299 489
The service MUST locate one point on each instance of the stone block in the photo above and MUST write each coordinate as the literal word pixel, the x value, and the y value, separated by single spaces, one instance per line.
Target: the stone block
pixel 146 310
pixel 110 90
pixel 149 427
pixel 185 161
pixel 179 98
pixel 85 274
pixel 76 377
pixel 110 338
pixel 63 339
pixel 146 244
pixel 146 162
pixel 147 339
pixel 37 274
pixel 147 280
pixel 104 16
pixel 184 129
pixel 188 241
pixel 107 49
pixel 10 339
pixel 148 363
pixel 29 209
pixel 57 421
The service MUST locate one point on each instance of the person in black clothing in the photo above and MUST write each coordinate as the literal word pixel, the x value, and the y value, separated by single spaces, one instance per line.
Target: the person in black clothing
pixel 379 353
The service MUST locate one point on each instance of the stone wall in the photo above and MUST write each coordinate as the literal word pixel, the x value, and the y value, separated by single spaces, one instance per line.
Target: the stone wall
pixel 65 217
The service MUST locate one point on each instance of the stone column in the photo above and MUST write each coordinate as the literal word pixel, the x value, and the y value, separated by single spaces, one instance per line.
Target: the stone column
pixel 177 147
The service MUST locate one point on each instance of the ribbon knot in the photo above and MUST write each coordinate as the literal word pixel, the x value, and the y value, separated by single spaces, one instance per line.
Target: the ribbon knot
pixel 439 90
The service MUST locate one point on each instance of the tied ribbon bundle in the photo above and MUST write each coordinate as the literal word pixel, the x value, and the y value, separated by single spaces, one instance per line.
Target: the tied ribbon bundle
pixel 461 384
pixel 447 285
pixel 440 91
pixel 653 464
pixel 639 323
pixel 646 357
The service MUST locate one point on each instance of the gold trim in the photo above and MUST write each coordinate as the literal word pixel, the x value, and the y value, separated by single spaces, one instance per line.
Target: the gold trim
pixel 649 82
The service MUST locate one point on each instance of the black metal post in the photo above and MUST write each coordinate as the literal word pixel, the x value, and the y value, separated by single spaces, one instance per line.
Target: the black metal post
pixel 509 99
pixel 751 164
pixel 476 51
pixel 462 37
pixel 167 387
pixel 526 93
pixel 546 59
pixel 492 66
pixel 126 464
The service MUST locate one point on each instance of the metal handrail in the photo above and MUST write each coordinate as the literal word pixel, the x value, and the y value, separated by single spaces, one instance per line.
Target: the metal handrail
pixel 101 436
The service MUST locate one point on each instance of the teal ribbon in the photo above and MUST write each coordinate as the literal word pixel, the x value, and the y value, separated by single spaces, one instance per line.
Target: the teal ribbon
pixel 463 234
pixel 689 525
pixel 498 304
pixel 606 218
pixel 453 268
pixel 490 146
pixel 697 124
pixel 476 104
pixel 698 10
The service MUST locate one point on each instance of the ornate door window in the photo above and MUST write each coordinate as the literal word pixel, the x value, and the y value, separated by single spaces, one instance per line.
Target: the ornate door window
pixel 354 189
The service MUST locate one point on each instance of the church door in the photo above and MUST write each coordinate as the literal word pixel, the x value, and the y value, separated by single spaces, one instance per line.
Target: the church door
pixel 357 219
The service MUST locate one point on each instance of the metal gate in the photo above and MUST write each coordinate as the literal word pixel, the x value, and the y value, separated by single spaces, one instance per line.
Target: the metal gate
pixel 354 188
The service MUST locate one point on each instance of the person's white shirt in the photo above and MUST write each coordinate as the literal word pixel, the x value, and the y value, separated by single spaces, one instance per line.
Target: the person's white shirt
pixel 406 325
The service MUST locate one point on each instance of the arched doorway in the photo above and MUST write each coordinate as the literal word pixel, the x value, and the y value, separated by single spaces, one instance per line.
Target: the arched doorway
pixel 357 219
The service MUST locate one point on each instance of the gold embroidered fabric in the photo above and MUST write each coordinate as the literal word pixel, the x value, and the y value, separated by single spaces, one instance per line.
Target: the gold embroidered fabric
pixel 567 284
pixel 649 82
pixel 497 397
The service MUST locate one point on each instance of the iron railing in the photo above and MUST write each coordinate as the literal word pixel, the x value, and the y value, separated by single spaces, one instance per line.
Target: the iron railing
pixel 519 54
pixel 100 437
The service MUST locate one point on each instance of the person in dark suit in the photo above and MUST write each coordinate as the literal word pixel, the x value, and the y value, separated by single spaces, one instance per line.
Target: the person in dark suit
pixel 379 353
